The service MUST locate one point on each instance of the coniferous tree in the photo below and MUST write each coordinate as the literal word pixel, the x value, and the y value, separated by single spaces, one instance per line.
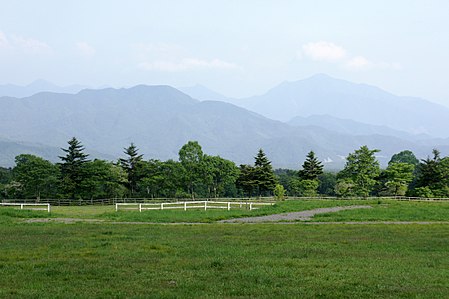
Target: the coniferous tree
pixel 131 165
pixel 428 170
pixel 263 173
pixel 311 168
pixel 433 177
pixel 246 180
pixel 72 168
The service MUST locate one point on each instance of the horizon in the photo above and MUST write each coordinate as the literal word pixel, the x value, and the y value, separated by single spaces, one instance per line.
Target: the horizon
pixel 181 88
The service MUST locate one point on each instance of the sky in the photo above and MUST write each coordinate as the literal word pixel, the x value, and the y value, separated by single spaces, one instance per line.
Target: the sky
pixel 237 48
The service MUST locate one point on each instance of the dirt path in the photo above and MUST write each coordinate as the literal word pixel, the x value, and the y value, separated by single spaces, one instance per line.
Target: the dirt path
pixel 293 216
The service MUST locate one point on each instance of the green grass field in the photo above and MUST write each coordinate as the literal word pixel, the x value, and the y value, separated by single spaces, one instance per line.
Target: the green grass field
pixel 383 210
pixel 105 260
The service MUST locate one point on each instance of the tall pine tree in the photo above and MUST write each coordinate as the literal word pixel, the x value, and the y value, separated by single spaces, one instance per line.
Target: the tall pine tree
pixel 72 168
pixel 131 165
pixel 311 168
pixel 263 174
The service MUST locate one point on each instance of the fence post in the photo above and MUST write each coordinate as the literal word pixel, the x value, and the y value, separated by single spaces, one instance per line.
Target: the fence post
pixel 21 206
pixel 185 206
pixel 162 206
pixel 116 207
pixel 229 205
pixel 205 205
pixel 48 207
pixel 250 206
pixel 140 207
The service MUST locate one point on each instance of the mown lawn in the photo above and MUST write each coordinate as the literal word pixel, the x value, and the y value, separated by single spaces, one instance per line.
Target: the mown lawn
pixel 383 210
pixel 223 261
pixel 191 215
pixel 391 210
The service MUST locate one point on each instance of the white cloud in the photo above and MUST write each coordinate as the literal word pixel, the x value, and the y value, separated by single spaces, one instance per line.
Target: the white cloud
pixel 187 64
pixel 85 49
pixel 324 51
pixel 24 45
pixel 330 52
pixel 165 57
pixel 30 45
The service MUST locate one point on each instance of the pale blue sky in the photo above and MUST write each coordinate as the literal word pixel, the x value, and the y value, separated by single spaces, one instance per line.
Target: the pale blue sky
pixel 238 48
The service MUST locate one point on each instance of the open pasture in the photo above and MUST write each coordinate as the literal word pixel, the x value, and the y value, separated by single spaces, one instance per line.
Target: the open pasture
pixel 99 260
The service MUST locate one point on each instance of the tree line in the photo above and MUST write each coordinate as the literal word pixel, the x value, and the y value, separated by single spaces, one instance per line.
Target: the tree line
pixel 196 174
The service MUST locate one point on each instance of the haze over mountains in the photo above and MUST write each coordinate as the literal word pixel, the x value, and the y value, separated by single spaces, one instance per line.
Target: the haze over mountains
pixel 160 119
pixel 12 90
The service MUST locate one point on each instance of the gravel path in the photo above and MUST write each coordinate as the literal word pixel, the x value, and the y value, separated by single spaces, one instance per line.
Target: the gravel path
pixel 293 216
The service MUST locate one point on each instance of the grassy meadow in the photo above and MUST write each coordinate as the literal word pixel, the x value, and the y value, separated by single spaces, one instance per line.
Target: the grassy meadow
pixel 213 260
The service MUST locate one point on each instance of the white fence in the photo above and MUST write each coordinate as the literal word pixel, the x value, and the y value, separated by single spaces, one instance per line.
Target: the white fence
pixel 30 206
pixel 184 205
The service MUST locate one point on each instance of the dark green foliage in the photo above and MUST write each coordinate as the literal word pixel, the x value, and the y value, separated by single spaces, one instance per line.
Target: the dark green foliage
pixel 36 177
pixel 394 180
pixel 103 180
pixel 360 173
pixel 221 175
pixel 308 176
pixel 428 170
pixel 306 188
pixel 263 174
pixel 72 169
pixel 191 157
pixel 5 179
pixel 130 165
pixel 311 168
pixel 199 175
pixel 433 176
pixel 404 157
pixel 161 179
pixel 327 180
pixel 284 177
pixel 246 180
pixel 258 179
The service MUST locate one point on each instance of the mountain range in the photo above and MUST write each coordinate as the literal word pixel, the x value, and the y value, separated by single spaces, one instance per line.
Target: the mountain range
pixel 160 119
pixel 324 95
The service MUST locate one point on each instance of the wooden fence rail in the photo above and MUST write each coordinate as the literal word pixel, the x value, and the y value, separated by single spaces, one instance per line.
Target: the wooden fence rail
pixel 184 205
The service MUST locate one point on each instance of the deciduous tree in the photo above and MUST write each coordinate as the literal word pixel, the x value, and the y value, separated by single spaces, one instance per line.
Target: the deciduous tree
pixel 37 177
pixel 362 168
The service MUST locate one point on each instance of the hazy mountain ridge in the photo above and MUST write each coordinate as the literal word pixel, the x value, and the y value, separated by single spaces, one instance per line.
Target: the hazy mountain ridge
pixel 351 127
pixel 10 149
pixel 203 93
pixel 322 94
pixel 160 119
pixel 18 91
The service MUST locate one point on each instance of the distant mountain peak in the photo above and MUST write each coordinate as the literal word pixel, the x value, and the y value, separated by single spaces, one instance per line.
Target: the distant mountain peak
pixel 323 94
